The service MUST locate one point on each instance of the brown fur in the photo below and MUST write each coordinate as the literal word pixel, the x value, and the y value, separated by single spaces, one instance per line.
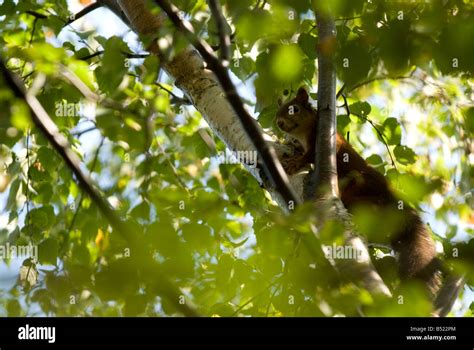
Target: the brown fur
pixel 360 184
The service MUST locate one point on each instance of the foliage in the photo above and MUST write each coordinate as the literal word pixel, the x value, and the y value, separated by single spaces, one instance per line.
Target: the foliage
pixel 210 228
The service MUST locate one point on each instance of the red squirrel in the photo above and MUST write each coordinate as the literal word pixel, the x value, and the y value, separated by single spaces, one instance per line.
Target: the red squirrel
pixel 360 184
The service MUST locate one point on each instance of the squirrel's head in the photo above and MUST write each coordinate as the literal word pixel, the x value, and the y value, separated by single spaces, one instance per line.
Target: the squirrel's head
pixel 296 117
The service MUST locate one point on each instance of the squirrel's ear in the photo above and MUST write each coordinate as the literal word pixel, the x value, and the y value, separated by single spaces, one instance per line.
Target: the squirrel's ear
pixel 302 95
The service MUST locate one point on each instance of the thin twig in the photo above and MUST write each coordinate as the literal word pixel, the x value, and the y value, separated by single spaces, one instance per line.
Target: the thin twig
pixel 128 55
pixel 92 55
pixel 85 131
pixel 176 99
pixel 341 90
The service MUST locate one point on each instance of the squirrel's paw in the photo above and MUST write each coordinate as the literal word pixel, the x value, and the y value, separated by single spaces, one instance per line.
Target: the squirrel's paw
pixel 292 165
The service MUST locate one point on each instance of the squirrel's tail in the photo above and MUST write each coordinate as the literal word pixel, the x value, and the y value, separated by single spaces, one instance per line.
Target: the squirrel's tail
pixel 418 261
pixel 417 254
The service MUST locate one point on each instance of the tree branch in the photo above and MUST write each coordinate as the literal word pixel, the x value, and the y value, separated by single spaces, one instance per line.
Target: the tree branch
pixel 75 16
pixel 37 15
pixel 324 180
pixel 110 4
pixel 44 123
pixel 267 154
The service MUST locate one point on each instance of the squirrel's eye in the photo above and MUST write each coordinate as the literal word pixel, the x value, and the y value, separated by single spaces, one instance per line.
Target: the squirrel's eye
pixel 294 109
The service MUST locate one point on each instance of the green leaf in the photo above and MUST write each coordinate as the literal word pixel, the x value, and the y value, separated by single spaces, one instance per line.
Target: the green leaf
pixel 45 55
pixel 354 61
pixel 20 118
pixel 118 280
pixel 392 131
pixel 412 188
pixel 274 241
pixel 266 117
pixel 375 160
pixel 112 70
pixel 343 122
pixel 13 308
pixel 151 69
pixel 243 67
pixel 83 72
pixel 43 217
pixel 47 158
pixel 12 194
pixel 7 7
pixel 395 46
pixel 79 275
pixel 141 211
pixel 360 108
pixel 224 269
pixel 404 155
pixel 308 42
pixel 198 146
pixel 48 252
pixel 135 305
pixel 80 253
pixel 180 264
pixel 164 238
pixel 198 236
pixel 469 120
pixel 286 63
